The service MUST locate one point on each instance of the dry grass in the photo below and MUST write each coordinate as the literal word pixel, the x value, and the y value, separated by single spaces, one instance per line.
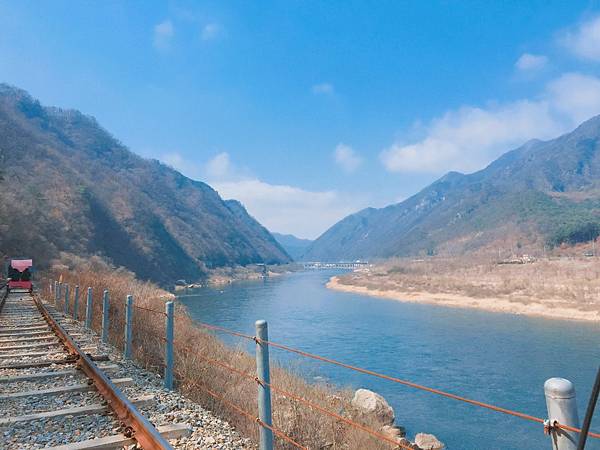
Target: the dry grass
pixel 193 346
pixel 565 281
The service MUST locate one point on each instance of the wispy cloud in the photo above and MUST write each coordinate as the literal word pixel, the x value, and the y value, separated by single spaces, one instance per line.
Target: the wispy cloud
pixel 529 62
pixel 468 138
pixel 346 158
pixel 279 207
pixel 584 40
pixel 323 89
pixel 211 31
pixel 163 34
pixel 219 167
pixel 178 162
pixel 289 209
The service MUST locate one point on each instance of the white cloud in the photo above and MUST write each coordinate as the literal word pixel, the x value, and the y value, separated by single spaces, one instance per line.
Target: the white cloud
pixel 178 162
pixel 323 89
pixel 575 95
pixel 529 62
pixel 279 207
pixel 211 31
pixel 346 158
pixel 289 209
pixel 219 167
pixel 584 41
pixel 163 33
pixel 470 137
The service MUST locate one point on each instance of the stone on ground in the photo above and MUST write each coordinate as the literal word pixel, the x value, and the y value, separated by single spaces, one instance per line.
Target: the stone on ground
pixel 373 404
pixel 428 442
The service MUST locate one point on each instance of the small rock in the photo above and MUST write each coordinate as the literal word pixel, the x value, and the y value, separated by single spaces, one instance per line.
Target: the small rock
pixel 428 442
pixel 393 432
pixel 373 404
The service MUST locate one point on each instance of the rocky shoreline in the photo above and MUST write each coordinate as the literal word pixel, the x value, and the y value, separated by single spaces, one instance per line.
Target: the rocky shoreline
pixel 372 407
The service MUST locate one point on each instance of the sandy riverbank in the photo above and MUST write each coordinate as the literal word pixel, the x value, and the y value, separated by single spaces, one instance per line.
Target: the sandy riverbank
pixel 504 305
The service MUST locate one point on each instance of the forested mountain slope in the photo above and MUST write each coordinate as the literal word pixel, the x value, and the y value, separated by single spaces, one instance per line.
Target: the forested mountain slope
pixel 543 193
pixel 69 186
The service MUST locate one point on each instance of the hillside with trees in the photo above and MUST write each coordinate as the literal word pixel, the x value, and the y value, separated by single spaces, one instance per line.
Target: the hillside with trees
pixel 541 195
pixel 69 187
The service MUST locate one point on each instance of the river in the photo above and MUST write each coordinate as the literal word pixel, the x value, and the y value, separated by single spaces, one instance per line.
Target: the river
pixel 492 357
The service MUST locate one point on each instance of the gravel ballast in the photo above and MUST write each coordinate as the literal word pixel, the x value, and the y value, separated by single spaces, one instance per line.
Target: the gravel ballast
pixel 167 407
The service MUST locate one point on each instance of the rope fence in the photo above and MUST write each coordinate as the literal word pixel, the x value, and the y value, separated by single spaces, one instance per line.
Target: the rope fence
pixel 142 308
pixel 400 381
pixel 248 415
pixel 299 399
pixel 262 378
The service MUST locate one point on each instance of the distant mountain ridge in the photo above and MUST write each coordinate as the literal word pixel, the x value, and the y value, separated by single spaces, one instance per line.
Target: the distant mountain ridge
pixel 294 246
pixel 541 193
pixel 69 186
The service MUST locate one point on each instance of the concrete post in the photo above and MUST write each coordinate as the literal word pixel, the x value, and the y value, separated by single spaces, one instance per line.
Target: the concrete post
pixel 562 408
pixel 59 290
pixel 55 293
pixel 105 316
pixel 264 391
pixel 76 303
pixel 128 325
pixel 88 309
pixel 169 334
pixel 66 299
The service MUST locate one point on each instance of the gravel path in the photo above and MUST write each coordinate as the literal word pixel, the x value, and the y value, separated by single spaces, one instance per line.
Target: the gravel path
pixel 167 408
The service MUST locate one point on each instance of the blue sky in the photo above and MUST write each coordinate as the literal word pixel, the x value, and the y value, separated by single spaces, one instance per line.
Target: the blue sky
pixel 309 110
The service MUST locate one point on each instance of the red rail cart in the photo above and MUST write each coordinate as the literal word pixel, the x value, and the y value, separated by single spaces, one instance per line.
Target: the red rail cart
pixel 19 274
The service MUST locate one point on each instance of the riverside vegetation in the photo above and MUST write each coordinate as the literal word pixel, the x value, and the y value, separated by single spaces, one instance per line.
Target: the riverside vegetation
pixel 194 347
pixel 565 287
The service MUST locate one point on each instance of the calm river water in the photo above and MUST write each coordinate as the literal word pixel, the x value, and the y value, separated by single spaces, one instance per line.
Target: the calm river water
pixel 497 358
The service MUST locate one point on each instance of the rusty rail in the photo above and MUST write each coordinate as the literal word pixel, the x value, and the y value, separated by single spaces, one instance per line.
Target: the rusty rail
pixel 4 295
pixel 137 426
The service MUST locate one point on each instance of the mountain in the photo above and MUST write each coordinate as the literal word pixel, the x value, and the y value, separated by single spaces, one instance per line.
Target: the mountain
pixel 69 186
pixel 295 247
pixel 543 193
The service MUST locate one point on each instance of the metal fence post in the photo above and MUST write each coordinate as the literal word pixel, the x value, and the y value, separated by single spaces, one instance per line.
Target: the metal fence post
pixel 88 309
pixel 76 303
pixel 128 325
pixel 562 408
pixel 105 316
pixel 589 413
pixel 169 333
pixel 264 379
pixel 66 299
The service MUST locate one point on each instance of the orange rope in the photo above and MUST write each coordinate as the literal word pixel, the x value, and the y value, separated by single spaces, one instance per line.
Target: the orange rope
pixel 225 330
pixel 150 310
pixel 287 394
pixel 400 381
pixel 337 416
pixel 246 414
pixel 216 362
pixel 404 382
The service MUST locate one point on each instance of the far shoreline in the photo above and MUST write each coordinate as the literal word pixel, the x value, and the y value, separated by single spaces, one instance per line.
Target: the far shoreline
pixel 495 304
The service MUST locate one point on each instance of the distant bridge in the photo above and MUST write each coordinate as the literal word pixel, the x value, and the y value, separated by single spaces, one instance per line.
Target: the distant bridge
pixel 315 265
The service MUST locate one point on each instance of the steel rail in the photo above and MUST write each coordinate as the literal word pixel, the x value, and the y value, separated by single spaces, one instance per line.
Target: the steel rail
pixel 137 426
pixel 3 296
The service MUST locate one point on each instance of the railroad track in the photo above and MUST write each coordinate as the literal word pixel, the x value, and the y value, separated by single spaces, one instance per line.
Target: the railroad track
pixel 58 391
